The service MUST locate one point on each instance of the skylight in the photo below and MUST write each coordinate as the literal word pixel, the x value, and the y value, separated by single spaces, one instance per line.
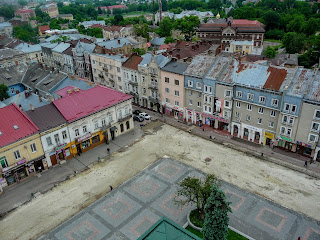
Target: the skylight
pixel 0 133
pixel 15 127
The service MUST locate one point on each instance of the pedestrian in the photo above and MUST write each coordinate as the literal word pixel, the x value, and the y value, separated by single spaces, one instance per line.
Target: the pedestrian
pixel 40 169
pixel 305 164
pixel 111 188
pixel 108 149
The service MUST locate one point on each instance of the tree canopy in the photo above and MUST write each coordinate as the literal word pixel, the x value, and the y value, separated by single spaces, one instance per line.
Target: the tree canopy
pixel 3 92
pixel 26 33
pixel 187 26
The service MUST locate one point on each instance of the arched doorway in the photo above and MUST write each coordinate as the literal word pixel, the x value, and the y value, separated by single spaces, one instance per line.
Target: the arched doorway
pixel 257 137
pixel 121 127
pixel 235 130
pixel 128 125
pixel 245 133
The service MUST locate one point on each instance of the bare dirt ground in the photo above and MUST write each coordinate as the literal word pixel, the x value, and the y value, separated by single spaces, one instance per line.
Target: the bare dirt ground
pixel 283 186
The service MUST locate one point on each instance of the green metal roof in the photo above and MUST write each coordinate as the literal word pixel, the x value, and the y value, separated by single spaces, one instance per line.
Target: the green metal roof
pixel 166 229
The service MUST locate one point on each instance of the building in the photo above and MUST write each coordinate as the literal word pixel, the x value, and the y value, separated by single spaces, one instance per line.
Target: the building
pixel 33 52
pixel 149 84
pixel 244 47
pixel 172 88
pixel 25 14
pixel 286 60
pixel 88 24
pixel 54 133
pixel 110 8
pixel 117 46
pixel 224 31
pixel 11 57
pixel 21 152
pixel 95 116
pixel 43 29
pixel 114 32
pixel 11 77
pixel 66 16
pixel 6 29
pixel 51 9
pixel 107 70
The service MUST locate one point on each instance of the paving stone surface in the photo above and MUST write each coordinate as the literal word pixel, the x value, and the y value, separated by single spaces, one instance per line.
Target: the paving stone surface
pixel 128 211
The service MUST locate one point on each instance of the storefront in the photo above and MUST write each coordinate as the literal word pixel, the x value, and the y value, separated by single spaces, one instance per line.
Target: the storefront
pixel 304 149
pixel 90 141
pixel 215 121
pixel 251 133
pixel 285 143
pixel 174 112
pixel 268 137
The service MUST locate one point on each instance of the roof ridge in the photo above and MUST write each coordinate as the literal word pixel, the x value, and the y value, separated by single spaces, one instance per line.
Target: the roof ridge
pixel 23 114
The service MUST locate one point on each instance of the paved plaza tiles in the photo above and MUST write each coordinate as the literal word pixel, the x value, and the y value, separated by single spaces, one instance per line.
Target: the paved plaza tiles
pixel 128 211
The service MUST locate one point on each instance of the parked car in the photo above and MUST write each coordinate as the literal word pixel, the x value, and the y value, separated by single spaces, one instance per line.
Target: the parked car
pixel 136 112
pixel 145 116
pixel 138 118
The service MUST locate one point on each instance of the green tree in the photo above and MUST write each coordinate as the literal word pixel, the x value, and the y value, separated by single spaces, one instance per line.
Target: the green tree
pixel 197 191
pixel 216 220
pixel 271 19
pixel 165 27
pixel 3 92
pixel 293 42
pixel 139 51
pixel 117 19
pixel 187 26
pixel 311 26
pixel 275 34
pixel 7 11
pixel 296 25
pixel 142 29
pixel 25 33
pixel 270 52
pixel 169 40
pixel 215 4
pixel 22 2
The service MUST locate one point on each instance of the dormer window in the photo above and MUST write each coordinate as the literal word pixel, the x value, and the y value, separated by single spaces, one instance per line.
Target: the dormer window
pixel 15 127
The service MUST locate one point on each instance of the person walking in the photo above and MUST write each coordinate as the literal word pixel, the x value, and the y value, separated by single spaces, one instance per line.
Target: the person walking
pixel 108 149
pixel 111 188
pixel 305 164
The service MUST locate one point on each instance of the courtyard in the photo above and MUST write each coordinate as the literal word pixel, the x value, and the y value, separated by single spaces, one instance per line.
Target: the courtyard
pixel 269 201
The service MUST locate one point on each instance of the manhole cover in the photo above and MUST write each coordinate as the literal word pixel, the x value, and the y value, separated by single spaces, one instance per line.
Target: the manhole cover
pixel 317 183
pixel 208 159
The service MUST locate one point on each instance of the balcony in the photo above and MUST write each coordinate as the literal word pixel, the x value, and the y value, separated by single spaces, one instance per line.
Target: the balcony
pixel 125 117
pixel 134 94
pixel 153 86
pixel 105 69
pixel 104 128
pixel 101 75
pixel 153 99
pixel 133 83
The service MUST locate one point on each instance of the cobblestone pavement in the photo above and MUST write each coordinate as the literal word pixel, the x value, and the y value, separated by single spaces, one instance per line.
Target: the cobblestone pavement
pixel 288 159
pixel 128 211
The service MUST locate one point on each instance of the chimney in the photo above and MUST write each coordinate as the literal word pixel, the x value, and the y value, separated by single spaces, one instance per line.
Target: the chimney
pixel 26 94
pixel 178 56
pixel 40 99
pixel 118 41
pixel 31 107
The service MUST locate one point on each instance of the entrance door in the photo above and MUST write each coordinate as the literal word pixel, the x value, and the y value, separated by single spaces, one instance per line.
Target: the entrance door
pixel 121 127
pixel 268 140
pixel 176 114
pixel 53 159
pixel 79 150
pixel 112 134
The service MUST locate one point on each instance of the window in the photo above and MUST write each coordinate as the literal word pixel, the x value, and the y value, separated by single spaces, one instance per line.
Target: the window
pixel 237 114
pixel 143 79
pixel 289 132
pixel 64 135
pixel 103 122
pixel 312 138
pixel 291 121
pixel 84 128
pixel 190 102
pixel 226 114
pixel 273 113
pixel 110 118
pixel 271 124
pixel 274 102
pixel 199 85
pixel 190 83
pixel 260 110
pixel 176 82
pixel 57 139
pixel 176 103
pixel 248 118
pixel 287 107
pixel 33 147
pixel 119 79
pixel 120 114
pixel 167 100
pixel 118 69
pixel 227 93
pixel 293 108
pixel 17 154
pixel 3 161
pixel 49 142
pixel 249 107
pixel 166 79
pixel 262 99
pixel 238 104
pixel 76 132
pixel 227 104
pixel 282 130
pixel 199 94
pixel 190 93
pixel 96 124
pixel 176 93
pixel 126 110
pixel 284 119
pixel 239 94
pixel 199 104
pixel 207 89
pixel 315 126
pixel 259 120
pixel 93 61
pixel 167 90
pixel 250 96
pixel 317 114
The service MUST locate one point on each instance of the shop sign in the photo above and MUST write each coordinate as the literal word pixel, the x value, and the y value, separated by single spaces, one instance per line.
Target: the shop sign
pixel 61 146
pixel 21 161
pixel 8 168
pixel 269 135
pixel 285 138
pixel 85 137
pixel 304 144
pixel 29 164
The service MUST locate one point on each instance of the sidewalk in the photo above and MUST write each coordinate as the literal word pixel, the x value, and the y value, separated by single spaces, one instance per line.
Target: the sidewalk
pixel 18 194
pixel 276 155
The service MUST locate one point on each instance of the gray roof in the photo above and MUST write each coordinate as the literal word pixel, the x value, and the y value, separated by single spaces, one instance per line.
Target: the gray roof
pixel 157 41
pixel 28 48
pixel 199 65
pixel 82 47
pixel 61 47
pixel 69 82
pixel 160 60
pixel 314 89
pixel 49 45
pixel 25 103
pixel 70 36
pixel 5 24
pixel 116 43
pixel 12 75
pixel 118 57
pixel 175 67
pixel 8 53
pixel 300 82
pixel 89 23
pixel 46 117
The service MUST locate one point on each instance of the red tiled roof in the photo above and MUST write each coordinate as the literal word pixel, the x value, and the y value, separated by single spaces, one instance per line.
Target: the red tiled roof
pixel 245 22
pixel 112 7
pixel 83 103
pixel 24 11
pixel 113 28
pixel 275 79
pixel 64 91
pixel 96 26
pixel 11 115
pixel 132 62
pixel 44 28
